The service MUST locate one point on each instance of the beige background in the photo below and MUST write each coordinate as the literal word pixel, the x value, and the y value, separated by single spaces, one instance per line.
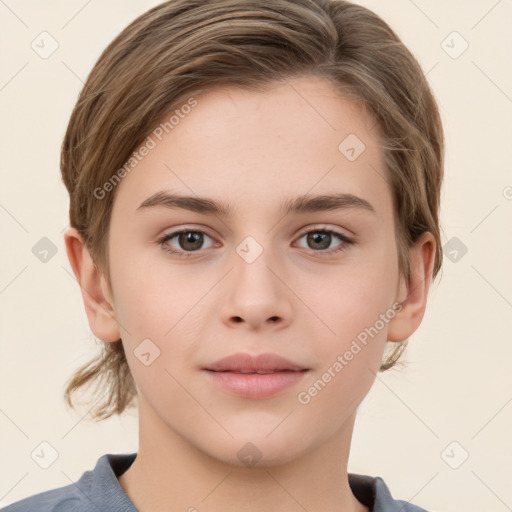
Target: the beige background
pixel 458 384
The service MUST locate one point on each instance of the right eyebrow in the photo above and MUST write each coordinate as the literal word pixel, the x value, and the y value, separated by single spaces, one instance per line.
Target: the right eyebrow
pixel 165 199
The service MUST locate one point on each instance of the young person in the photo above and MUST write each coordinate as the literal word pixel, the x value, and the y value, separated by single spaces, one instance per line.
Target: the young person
pixel 254 224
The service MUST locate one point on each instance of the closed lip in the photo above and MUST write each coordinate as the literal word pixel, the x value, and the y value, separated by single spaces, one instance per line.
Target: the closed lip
pixel 247 363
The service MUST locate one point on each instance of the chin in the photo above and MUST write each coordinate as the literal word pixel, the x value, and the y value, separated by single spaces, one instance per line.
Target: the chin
pixel 258 451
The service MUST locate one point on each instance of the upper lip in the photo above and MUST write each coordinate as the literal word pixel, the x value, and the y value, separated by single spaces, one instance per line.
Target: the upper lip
pixel 251 363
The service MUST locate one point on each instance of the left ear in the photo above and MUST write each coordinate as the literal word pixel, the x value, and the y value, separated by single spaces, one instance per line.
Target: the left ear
pixel 413 296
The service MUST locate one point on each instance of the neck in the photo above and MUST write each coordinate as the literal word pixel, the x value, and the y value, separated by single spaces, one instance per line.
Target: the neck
pixel 171 474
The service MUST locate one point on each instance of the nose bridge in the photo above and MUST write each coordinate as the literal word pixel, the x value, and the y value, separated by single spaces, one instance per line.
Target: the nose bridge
pixel 256 295
pixel 253 262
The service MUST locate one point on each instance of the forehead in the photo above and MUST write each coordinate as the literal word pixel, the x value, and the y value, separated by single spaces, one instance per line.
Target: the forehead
pixel 299 136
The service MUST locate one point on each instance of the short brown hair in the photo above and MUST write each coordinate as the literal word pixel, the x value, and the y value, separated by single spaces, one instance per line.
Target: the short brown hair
pixel 183 47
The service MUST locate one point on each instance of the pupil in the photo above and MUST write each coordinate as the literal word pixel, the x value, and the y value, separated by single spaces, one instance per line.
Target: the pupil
pixel 321 237
pixel 190 238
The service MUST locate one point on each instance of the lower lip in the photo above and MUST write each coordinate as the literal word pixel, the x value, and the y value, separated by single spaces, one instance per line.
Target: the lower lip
pixel 256 385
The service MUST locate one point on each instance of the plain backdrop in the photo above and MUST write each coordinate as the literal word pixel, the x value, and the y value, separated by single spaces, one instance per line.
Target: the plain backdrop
pixel 437 431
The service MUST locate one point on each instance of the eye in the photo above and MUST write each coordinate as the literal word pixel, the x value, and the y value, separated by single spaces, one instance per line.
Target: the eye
pixel 188 241
pixel 320 239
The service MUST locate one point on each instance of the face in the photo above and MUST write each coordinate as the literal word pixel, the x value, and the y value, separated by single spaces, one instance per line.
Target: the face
pixel 256 276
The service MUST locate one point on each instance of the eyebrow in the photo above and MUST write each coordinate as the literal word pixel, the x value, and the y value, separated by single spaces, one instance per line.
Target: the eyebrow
pixel 302 204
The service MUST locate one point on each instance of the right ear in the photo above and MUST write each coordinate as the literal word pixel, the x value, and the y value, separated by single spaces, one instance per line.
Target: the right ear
pixel 93 285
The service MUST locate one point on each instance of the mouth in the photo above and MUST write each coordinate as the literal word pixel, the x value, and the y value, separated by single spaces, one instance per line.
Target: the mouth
pixel 256 377
pixel 261 363
pixel 259 372
pixel 256 385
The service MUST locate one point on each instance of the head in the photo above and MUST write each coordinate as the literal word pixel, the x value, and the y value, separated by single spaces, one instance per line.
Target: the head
pixel 250 104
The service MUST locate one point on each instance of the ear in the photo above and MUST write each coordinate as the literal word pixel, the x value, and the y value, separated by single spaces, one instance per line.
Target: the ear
pixel 93 285
pixel 413 296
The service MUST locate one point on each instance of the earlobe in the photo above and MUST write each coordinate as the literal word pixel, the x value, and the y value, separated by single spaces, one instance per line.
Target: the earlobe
pixel 98 305
pixel 414 300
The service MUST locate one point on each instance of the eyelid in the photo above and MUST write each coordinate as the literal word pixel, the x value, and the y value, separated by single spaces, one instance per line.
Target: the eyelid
pixel 187 227
pixel 327 227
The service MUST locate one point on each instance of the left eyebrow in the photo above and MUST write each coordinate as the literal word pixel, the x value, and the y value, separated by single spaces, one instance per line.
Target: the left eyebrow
pixel 307 203
pixel 301 204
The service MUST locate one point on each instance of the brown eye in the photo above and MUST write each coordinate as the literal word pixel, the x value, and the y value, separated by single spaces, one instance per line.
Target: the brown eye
pixel 319 240
pixel 190 240
pixel 186 242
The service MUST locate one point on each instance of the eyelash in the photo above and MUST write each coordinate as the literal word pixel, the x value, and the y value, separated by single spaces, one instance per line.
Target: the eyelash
pixel 186 254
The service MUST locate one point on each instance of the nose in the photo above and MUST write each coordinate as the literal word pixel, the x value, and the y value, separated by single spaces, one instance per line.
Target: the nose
pixel 256 294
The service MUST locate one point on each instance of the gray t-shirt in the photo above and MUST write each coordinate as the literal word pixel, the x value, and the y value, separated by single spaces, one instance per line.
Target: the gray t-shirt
pixel 99 491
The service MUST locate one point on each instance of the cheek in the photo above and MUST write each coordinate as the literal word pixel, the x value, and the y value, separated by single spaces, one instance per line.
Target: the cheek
pixel 349 352
pixel 161 315
pixel 353 318
pixel 152 298
pixel 351 298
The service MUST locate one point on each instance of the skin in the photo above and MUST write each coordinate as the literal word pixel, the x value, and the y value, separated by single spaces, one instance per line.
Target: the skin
pixel 253 150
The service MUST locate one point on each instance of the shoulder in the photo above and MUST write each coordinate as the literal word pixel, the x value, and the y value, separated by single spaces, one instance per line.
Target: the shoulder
pixel 375 494
pixel 388 503
pixel 97 489
pixel 62 499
